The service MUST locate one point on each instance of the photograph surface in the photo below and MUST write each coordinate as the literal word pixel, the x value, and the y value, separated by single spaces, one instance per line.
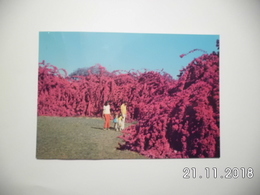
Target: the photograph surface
pixel 128 96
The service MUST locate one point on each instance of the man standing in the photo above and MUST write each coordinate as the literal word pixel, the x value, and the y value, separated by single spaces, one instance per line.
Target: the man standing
pixel 123 112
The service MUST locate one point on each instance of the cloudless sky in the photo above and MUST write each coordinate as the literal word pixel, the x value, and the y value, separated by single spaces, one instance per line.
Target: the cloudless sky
pixel 122 51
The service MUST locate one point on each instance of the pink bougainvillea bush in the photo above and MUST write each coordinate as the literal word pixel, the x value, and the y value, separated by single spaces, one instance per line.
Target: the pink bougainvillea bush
pixel 62 95
pixel 185 122
pixel 176 118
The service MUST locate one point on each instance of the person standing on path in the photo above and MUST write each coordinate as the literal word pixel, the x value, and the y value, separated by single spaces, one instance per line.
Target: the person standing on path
pixel 123 112
pixel 106 115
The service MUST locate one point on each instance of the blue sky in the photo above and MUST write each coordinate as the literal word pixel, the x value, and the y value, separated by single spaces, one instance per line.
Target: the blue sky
pixel 122 51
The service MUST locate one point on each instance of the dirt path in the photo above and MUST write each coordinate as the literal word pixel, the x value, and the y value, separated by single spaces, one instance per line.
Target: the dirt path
pixel 78 138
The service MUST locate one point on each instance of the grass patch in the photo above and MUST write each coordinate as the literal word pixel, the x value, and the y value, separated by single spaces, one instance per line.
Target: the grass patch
pixel 78 138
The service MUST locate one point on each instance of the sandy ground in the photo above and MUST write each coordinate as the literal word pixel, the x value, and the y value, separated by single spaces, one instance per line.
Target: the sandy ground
pixel 78 138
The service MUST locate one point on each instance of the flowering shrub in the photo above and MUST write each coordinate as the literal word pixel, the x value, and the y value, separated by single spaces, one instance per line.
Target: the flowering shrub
pixel 176 118
pixel 185 122
pixel 61 95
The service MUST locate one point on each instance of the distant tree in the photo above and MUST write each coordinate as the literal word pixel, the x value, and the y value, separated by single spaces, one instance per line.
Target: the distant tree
pixel 80 72
pixel 96 69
